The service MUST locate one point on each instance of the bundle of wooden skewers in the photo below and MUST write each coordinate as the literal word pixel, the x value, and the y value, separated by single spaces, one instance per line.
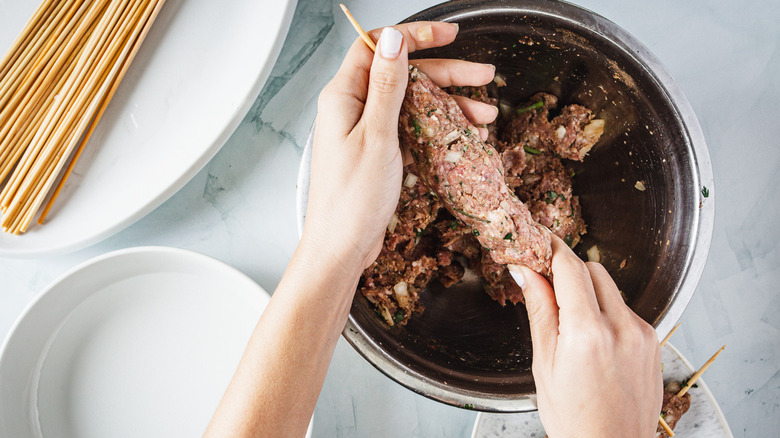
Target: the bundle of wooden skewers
pixel 55 83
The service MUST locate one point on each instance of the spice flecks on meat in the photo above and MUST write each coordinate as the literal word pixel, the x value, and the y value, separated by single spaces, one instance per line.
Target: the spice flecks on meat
pixel 425 242
pixel 467 174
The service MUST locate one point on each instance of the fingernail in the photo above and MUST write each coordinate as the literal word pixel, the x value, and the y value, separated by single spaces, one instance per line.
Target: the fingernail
pixel 456 25
pixel 390 43
pixel 425 33
pixel 517 274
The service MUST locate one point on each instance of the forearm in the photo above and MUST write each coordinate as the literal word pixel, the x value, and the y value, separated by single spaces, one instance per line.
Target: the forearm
pixel 278 380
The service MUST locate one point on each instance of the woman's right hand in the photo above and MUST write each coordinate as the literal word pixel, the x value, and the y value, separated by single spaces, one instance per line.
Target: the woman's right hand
pixel 597 365
pixel 356 164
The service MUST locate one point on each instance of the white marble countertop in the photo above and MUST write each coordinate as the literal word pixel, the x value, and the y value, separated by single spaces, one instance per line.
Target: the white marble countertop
pixel 241 207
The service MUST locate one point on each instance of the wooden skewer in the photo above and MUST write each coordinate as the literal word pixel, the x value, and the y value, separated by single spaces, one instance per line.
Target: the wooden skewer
pixel 698 374
pixel 23 65
pixel 688 385
pixel 29 31
pixel 34 106
pixel 366 37
pixel 39 87
pixel 104 105
pixel 75 118
pixel 17 71
pixel 666 339
pixel 661 420
pixel 57 79
pixel 665 426
pixel 41 146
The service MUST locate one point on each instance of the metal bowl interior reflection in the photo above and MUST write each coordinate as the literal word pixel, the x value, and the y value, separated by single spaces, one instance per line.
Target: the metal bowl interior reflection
pixel 465 349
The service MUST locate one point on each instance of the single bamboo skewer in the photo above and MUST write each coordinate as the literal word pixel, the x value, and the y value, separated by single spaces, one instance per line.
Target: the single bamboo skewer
pixel 661 420
pixel 148 24
pixel 366 37
pixel 666 427
pixel 698 374
pixel 666 339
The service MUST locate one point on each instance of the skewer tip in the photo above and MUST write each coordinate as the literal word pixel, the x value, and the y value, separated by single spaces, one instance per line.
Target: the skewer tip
pixel 665 426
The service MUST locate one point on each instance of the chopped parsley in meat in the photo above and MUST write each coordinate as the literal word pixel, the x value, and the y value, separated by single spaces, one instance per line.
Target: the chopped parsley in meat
pixel 500 193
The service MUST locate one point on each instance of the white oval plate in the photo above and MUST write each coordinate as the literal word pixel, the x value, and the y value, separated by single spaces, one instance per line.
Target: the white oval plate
pixel 703 420
pixel 195 77
pixel 139 342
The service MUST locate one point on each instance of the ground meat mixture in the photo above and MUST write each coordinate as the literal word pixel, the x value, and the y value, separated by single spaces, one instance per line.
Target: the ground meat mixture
pixel 673 408
pixel 479 205
pixel 410 256
pixel 545 185
pixel 569 135
pixel 467 175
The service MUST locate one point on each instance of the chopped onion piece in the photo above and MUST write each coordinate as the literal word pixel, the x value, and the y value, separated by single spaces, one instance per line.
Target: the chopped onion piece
pixel 529 179
pixel 452 136
pixel 453 156
pixel 593 130
pixel 386 315
pixel 593 254
pixel 560 132
pixel 401 290
pixel 393 223
pixel 640 185
pixel 499 80
pixel 411 180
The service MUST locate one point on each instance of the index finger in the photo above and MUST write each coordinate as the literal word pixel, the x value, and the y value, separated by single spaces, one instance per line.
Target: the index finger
pixel 418 35
pixel 351 81
pixel 424 34
pixel 573 286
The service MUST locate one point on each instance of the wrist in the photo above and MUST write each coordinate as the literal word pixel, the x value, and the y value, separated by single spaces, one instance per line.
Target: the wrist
pixel 330 253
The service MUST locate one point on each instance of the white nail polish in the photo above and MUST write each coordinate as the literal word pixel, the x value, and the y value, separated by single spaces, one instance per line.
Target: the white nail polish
pixel 390 43
pixel 517 274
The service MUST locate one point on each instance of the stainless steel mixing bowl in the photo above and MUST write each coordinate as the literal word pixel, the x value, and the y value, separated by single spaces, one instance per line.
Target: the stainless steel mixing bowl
pixel 465 349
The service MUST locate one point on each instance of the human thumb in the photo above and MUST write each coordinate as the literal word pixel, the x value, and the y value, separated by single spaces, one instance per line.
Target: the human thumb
pixel 542 310
pixel 387 83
